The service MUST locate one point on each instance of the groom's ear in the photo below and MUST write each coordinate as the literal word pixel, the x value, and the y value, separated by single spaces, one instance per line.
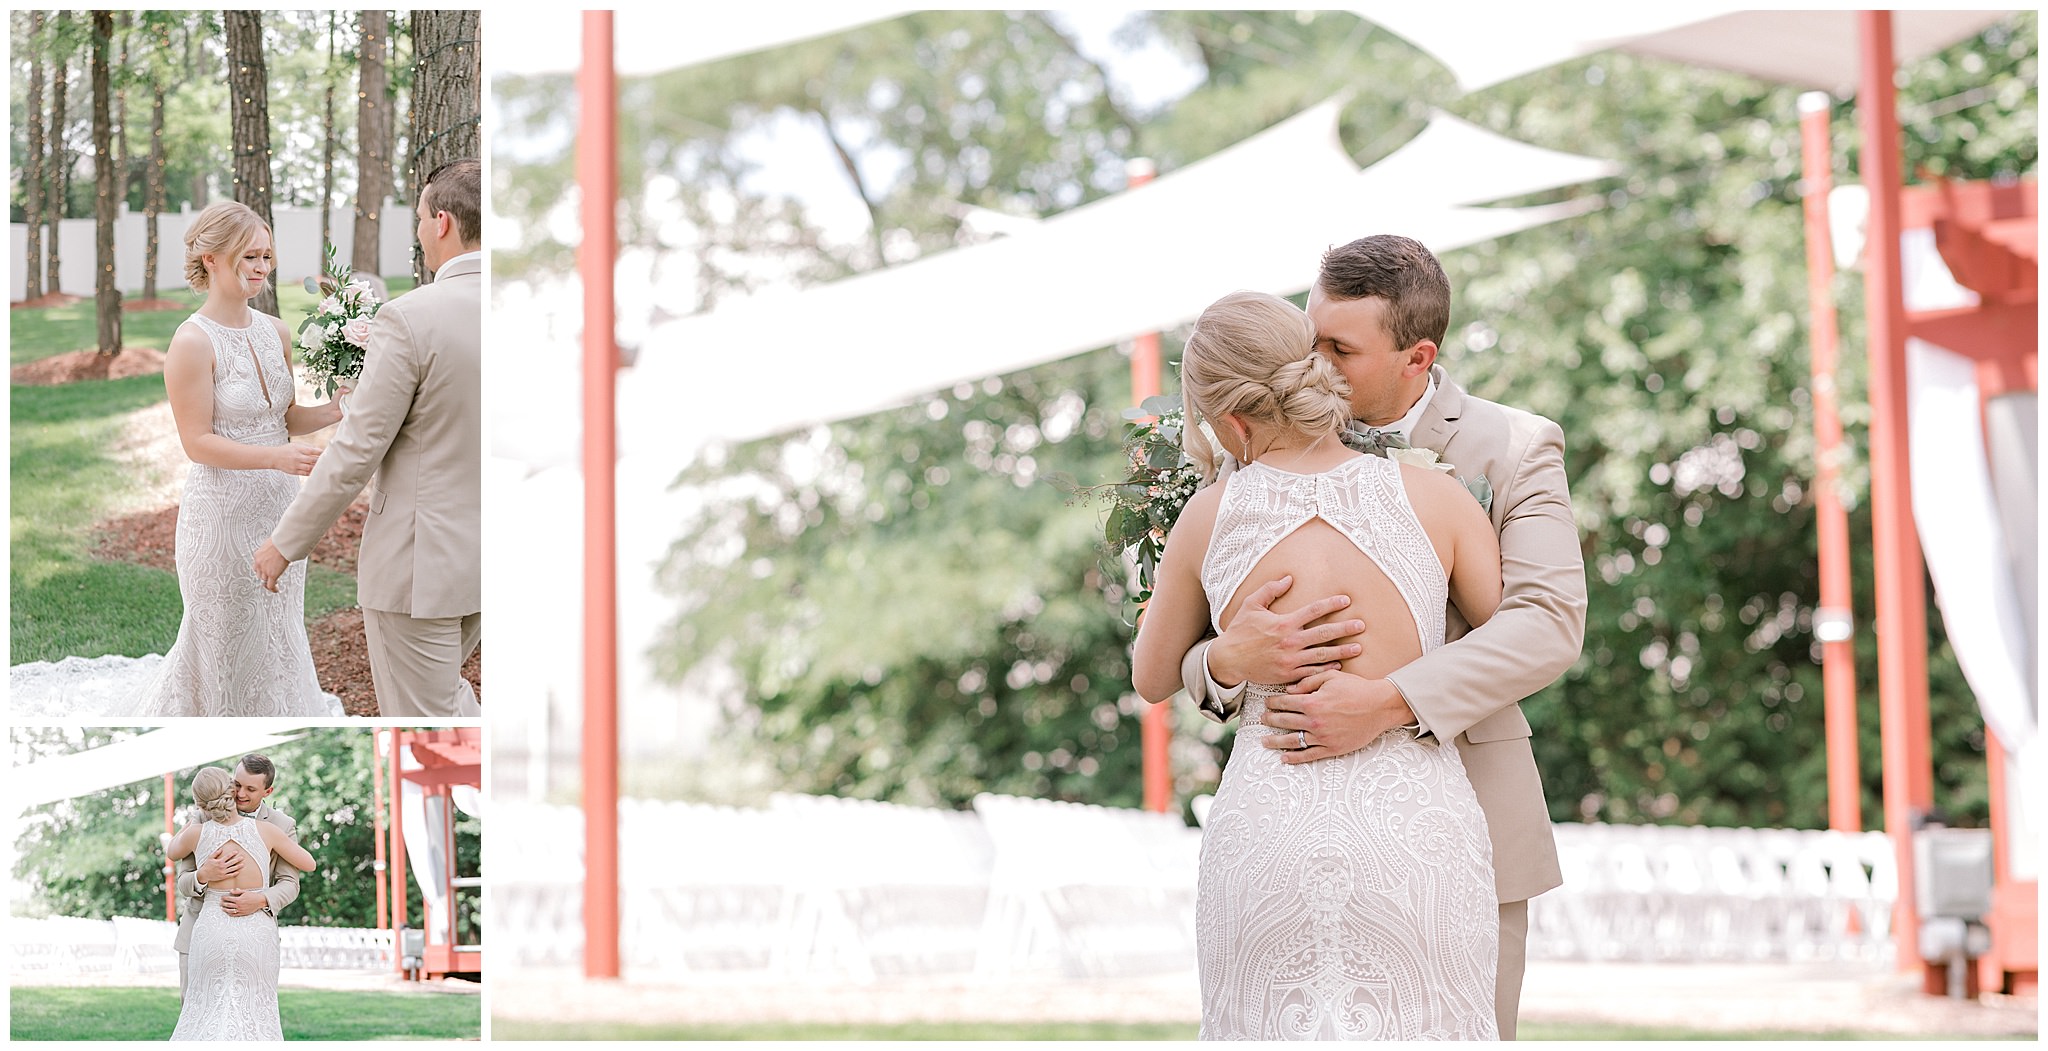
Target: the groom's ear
pixel 1421 355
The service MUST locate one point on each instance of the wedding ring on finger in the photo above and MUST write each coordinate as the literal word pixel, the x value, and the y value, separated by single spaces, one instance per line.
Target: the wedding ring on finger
pixel 1300 740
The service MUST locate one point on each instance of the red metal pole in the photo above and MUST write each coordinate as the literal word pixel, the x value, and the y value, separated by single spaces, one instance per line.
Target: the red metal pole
pixel 448 870
pixel 377 827
pixel 170 867
pixel 597 176
pixel 1901 591
pixel 1832 623
pixel 1157 729
pixel 397 851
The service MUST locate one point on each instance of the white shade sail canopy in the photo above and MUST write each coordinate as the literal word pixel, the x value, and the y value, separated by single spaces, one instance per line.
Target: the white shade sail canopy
pixel 1817 49
pixel 1256 215
pixel 192 742
pixel 546 39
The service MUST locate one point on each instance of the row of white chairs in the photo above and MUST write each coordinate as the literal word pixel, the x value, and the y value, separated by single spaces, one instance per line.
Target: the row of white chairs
pixel 863 890
pixel 130 945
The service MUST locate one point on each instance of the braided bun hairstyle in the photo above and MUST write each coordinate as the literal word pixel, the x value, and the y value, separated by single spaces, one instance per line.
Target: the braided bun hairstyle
pixel 1253 355
pixel 214 790
pixel 221 229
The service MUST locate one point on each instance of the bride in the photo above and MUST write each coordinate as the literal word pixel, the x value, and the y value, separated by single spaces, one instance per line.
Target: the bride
pixel 232 991
pixel 241 649
pixel 1352 897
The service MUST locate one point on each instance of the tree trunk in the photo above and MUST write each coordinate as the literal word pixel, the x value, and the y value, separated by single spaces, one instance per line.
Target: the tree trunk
pixel 153 183
pixel 32 193
pixel 327 150
pixel 106 297
pixel 373 160
pixel 400 191
pixel 249 124
pixel 446 98
pixel 58 202
pixel 125 25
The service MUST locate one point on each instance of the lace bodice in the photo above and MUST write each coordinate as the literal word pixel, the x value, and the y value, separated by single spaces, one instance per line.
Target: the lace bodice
pixel 1362 498
pixel 215 834
pixel 252 380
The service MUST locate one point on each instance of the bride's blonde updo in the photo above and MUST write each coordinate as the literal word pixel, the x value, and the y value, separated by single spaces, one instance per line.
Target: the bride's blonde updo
pixel 214 790
pixel 222 229
pixel 1253 355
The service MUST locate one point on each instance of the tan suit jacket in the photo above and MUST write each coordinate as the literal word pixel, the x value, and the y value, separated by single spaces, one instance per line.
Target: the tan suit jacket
pixel 415 421
pixel 1470 688
pixel 284 879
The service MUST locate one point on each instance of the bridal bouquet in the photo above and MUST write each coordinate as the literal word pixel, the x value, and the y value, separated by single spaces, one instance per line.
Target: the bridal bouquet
pixel 1144 506
pixel 332 339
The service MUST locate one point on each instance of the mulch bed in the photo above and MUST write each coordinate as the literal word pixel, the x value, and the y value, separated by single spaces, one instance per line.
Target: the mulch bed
pixel 52 299
pixel 342 658
pixel 340 654
pixel 81 365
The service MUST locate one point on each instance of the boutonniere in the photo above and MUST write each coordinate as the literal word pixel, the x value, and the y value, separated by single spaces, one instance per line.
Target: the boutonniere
pixel 1394 447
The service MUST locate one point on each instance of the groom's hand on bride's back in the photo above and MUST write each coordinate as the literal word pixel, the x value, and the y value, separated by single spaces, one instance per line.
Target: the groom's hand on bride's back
pixel 219 867
pixel 1278 648
pixel 244 902
pixel 293 458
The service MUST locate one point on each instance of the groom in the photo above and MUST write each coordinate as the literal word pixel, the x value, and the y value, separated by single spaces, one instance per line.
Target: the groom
pixel 1381 306
pixel 253 783
pixel 415 420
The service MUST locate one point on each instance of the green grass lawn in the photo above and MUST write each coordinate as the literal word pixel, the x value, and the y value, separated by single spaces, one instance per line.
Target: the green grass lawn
pixel 64 482
pixel 512 1029
pixel 45 331
pixel 86 1013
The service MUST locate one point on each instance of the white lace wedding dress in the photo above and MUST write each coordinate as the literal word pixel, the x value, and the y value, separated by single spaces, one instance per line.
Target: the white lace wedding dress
pixel 241 650
pixel 231 981
pixel 1349 898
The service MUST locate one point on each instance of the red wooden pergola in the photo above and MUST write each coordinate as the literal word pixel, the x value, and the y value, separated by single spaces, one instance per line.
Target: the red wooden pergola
pixel 447 758
pixel 1987 236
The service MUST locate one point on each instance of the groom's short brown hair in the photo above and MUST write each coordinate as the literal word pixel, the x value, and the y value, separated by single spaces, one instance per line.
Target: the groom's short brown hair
pixel 457 188
pixel 260 766
pixel 1402 272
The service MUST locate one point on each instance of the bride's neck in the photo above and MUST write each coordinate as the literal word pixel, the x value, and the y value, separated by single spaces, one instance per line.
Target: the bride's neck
pixel 1277 448
pixel 227 308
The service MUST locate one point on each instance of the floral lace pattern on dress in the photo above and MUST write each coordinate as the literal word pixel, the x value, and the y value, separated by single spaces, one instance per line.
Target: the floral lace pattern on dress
pixel 241 650
pixel 231 977
pixel 1353 897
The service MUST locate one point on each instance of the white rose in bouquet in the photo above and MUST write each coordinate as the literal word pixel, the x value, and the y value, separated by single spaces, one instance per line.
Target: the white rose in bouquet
pixel 357 331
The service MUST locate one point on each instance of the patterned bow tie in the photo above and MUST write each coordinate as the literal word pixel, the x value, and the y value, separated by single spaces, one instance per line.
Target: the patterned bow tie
pixel 1372 440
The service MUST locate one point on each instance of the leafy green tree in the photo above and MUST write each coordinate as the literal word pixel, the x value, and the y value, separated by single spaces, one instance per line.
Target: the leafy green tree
pixel 1667 333
pixel 954 108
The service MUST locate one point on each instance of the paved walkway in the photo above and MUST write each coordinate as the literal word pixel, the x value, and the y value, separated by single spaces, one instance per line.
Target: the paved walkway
pixel 1713 997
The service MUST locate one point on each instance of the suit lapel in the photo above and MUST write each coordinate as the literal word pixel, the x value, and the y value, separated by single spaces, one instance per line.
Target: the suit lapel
pixel 1440 418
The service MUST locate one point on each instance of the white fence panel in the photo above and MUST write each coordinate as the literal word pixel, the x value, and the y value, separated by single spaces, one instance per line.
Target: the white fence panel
pixel 297 244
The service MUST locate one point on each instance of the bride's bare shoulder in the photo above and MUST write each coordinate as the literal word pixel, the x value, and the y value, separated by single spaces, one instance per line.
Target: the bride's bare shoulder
pixel 190 342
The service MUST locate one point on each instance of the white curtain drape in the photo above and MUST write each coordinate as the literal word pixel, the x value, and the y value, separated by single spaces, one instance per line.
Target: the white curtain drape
pixel 1962 534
